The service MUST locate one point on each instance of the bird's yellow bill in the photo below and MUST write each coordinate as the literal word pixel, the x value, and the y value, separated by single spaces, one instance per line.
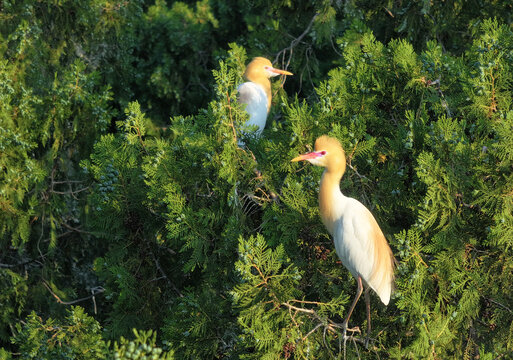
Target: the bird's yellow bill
pixel 281 72
pixel 308 156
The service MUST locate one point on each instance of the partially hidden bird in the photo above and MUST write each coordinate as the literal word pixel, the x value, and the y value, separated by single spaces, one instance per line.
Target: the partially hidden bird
pixel 359 241
pixel 256 92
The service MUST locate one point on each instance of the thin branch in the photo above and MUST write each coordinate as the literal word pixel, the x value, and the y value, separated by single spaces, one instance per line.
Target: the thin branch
pixel 293 44
pixel 334 47
pixel 41 235
pixel 139 136
pixel 161 271
pixel 93 294
pixel 388 12
pixel 8 266
pixel 95 291
pixel 309 302
pixel 69 192
pixel 68 182
pixel 76 229
pixel 308 311
pixel 329 325
pixel 356 171
pixel 350 158
pixel 421 259
pixel 499 304
pixel 231 119
pixel 311 331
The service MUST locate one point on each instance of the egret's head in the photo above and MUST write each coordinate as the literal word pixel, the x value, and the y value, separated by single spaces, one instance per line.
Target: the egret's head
pixel 327 153
pixel 261 66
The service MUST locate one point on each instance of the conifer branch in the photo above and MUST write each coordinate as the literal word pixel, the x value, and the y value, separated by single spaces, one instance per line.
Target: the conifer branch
pixel 350 158
pixel 231 119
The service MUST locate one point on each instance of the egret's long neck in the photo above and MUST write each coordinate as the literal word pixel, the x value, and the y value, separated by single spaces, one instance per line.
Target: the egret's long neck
pixel 266 85
pixel 331 198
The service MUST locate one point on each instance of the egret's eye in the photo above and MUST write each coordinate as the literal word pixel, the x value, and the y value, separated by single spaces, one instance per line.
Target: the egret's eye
pixel 266 67
pixel 323 152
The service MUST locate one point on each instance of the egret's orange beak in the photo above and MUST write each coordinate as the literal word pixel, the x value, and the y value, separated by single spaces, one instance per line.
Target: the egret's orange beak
pixel 281 72
pixel 312 155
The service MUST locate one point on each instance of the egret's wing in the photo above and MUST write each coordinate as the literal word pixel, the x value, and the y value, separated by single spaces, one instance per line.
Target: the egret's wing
pixel 378 267
pixel 246 92
pixel 363 249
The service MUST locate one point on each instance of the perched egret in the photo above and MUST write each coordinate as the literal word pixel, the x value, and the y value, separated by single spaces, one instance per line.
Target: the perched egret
pixel 359 242
pixel 256 92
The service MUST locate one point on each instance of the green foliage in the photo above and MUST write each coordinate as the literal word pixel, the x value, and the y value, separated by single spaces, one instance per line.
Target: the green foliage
pixel 268 296
pixel 451 23
pixel 141 348
pixel 12 298
pixel 78 337
pixel 123 189
pixel 55 104
pixel 173 57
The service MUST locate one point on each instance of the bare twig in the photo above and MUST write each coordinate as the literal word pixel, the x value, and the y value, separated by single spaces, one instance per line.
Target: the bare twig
pixel 311 331
pixel 499 304
pixel 293 44
pixel 356 171
pixel 326 323
pixel 76 229
pixel 95 291
pixel 159 268
pixel 69 192
pixel 68 182
pixel 93 294
pixel 41 236
pixel 350 158
pixel 8 266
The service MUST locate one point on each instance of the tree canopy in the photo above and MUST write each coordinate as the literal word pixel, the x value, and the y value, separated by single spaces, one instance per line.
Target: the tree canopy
pixel 132 225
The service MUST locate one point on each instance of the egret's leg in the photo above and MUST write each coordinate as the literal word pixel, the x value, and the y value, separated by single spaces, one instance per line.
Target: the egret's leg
pixel 358 294
pixel 367 305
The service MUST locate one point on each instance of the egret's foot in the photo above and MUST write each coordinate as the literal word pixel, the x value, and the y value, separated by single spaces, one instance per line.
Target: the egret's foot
pixel 367 341
pixel 353 330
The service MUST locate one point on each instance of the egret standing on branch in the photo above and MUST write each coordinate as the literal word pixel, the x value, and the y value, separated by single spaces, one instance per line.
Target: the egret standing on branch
pixel 359 242
pixel 256 92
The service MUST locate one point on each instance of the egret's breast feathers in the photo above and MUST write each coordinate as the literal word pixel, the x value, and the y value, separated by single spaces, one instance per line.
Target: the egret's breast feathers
pixel 255 98
pixel 353 247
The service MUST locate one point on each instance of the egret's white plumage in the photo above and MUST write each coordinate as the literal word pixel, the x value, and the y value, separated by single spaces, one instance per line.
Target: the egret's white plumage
pixel 355 234
pixel 253 95
pixel 359 242
pixel 256 92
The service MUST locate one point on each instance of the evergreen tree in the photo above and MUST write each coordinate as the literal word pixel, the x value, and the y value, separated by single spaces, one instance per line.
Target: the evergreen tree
pixel 215 251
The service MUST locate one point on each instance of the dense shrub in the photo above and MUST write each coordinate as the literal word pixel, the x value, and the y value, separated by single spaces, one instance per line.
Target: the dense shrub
pixel 124 193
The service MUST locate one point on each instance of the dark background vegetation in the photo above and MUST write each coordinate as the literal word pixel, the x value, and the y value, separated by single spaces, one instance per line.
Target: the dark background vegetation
pixel 133 227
